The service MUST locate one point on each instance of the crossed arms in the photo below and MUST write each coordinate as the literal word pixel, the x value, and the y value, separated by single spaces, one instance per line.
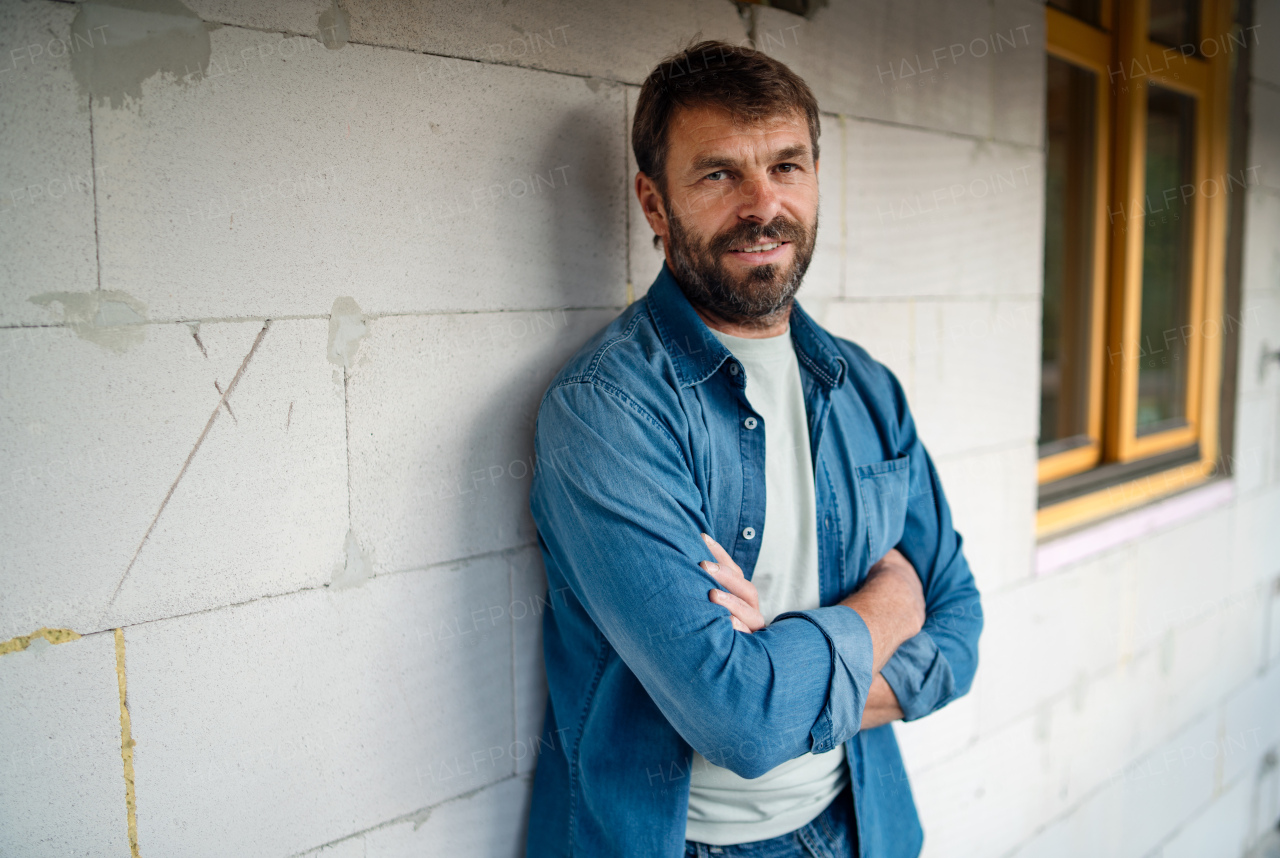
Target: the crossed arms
pixel 619 516
pixel 890 602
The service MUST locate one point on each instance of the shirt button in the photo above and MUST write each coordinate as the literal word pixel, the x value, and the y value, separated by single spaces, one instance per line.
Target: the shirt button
pixel 750 423
pixel 748 533
pixel 733 369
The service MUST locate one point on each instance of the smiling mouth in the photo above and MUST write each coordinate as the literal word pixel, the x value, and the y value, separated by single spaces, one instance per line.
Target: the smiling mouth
pixel 762 247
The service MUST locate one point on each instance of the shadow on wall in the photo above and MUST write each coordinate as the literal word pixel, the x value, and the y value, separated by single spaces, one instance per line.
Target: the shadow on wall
pixel 520 363
pixel 527 353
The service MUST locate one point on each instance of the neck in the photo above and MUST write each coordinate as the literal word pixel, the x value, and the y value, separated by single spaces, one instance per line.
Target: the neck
pixel 773 325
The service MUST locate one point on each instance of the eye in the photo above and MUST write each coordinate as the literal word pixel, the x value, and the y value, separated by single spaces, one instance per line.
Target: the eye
pixel 788 168
pixel 718 175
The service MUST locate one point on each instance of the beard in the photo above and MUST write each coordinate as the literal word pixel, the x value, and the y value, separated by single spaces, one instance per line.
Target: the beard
pixel 754 299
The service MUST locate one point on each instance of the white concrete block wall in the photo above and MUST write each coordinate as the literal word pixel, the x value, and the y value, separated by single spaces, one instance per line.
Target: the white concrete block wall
pixel 268 391
pixel 47 175
pixel 61 793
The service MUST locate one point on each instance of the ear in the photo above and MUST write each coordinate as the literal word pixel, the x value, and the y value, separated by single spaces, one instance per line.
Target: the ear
pixel 651 204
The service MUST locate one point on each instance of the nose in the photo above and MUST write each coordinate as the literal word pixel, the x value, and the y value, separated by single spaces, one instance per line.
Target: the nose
pixel 759 199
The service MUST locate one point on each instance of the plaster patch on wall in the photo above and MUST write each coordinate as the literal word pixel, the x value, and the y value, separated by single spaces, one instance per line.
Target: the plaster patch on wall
pixel 140 38
pixel 114 320
pixel 335 26
pixel 357 568
pixel 346 329
pixel 52 636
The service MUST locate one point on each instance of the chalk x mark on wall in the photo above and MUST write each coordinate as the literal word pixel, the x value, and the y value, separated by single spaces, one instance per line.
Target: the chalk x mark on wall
pixel 190 456
pixel 218 388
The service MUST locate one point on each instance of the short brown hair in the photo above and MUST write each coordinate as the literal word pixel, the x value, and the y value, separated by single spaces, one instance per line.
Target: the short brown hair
pixel 749 84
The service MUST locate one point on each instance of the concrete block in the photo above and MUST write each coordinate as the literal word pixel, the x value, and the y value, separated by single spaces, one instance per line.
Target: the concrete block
pixel 1263 59
pixel 442 412
pixel 994 794
pixel 63 790
pixel 933 215
pixel 301 17
pixel 1254 457
pixel 1018 84
pixel 1249 724
pixel 1256 539
pixel 1205 660
pixel 616 40
pixel 347 708
pixel 1272 635
pixel 886 329
pixel 1257 325
pixel 506 191
pixel 1220 829
pixel 1169 576
pixel 47 174
pixel 530 601
pixel 976 374
pixel 929 741
pixel 1104 724
pixel 929 64
pixel 1140 808
pixel 992 495
pixel 1042 637
pixel 1261 273
pixel 491 822
pixel 1264 132
pixel 824 279
pixel 98 423
pixel 262 507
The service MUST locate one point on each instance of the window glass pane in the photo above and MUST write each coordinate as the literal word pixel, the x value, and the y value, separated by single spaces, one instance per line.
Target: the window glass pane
pixel 1174 22
pixel 1085 10
pixel 1166 259
pixel 1068 256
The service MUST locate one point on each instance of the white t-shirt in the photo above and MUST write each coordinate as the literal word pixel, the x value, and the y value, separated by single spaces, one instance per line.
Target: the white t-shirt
pixel 723 807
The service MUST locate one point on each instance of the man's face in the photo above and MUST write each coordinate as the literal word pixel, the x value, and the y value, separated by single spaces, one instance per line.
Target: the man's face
pixel 740 213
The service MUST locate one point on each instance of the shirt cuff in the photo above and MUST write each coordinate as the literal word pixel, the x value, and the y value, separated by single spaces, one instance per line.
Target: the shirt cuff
pixel 849 642
pixel 919 676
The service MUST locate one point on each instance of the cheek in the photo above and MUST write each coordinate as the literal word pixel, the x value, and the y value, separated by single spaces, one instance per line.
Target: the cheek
pixel 705 206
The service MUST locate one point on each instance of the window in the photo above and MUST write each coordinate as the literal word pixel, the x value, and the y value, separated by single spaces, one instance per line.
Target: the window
pixel 1135 227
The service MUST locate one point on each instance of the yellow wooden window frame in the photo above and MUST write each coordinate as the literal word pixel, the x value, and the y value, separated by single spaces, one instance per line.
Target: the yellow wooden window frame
pixel 1082 45
pixel 1126 63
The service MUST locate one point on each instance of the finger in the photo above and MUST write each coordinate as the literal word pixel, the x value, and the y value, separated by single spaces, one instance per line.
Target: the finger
pixel 742 611
pixel 735 584
pixel 722 557
pixel 738 624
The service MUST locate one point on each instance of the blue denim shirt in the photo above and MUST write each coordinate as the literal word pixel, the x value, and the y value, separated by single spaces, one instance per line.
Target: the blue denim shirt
pixel 642 444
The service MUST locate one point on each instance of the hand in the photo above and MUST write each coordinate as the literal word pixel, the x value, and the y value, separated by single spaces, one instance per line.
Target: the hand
pixel 742 600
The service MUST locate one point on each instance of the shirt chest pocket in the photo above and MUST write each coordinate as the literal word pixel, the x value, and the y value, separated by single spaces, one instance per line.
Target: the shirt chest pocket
pixel 882 490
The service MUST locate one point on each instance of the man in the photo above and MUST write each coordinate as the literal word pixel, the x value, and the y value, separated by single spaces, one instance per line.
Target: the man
pixel 721 679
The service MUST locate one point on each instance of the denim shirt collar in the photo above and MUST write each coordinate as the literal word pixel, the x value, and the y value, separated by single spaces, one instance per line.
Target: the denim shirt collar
pixel 697 354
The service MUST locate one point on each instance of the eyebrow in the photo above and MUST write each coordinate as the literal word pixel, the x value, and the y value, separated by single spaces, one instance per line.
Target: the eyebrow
pixel 707 163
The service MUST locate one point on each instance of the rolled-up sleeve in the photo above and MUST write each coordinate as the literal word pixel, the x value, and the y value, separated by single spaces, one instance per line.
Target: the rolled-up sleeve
pixel 936 666
pixel 619 518
pixel 849 641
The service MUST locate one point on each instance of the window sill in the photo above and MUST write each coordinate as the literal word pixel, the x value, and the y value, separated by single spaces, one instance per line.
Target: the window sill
pixel 1060 551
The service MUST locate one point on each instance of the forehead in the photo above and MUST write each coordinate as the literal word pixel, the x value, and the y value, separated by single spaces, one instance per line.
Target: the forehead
pixel 703 130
